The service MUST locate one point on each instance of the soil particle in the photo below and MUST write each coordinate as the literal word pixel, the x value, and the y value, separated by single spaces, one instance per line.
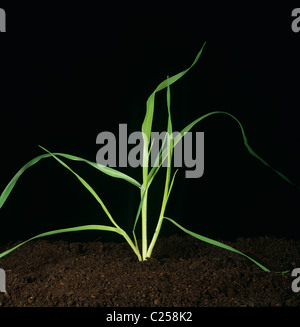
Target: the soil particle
pixel 183 272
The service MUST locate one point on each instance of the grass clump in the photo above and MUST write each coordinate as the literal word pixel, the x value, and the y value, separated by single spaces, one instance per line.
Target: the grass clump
pixel 165 153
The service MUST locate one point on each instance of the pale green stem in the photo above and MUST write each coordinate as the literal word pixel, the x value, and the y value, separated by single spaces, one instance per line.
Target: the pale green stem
pixel 129 241
pixel 144 206
pixel 162 213
pixel 144 226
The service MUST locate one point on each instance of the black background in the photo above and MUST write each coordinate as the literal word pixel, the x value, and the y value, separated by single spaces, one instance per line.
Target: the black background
pixel 70 72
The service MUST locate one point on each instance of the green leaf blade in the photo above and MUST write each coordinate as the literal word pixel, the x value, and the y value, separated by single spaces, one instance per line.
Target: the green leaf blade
pixel 6 192
pixel 216 243
pixel 66 230
pixel 147 123
pixel 86 185
pixel 250 150
pixel 106 170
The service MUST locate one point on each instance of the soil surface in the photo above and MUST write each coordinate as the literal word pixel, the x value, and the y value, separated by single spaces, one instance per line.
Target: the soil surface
pixel 183 272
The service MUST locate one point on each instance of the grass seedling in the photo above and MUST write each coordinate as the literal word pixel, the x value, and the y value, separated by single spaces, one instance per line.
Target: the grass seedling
pixel 165 153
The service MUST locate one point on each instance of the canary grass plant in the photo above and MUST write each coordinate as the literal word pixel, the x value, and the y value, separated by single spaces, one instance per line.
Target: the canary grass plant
pixel 165 153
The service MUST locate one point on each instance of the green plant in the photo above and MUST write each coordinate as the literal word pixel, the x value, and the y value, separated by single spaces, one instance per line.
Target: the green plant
pixel 164 154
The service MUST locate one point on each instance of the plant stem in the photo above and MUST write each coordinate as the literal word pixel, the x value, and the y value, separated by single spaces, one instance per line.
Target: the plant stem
pixel 144 206
pixel 144 226
pixel 129 241
pixel 162 213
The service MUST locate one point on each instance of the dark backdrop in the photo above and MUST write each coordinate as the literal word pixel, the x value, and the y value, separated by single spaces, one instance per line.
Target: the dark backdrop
pixel 69 73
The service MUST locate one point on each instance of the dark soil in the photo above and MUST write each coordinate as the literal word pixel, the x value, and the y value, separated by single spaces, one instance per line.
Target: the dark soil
pixel 183 272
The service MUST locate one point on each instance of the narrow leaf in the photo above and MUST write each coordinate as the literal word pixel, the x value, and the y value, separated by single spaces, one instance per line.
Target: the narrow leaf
pixel 87 186
pixel 147 124
pixel 106 170
pixel 216 243
pixel 250 150
pixel 66 230
pixel 172 182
